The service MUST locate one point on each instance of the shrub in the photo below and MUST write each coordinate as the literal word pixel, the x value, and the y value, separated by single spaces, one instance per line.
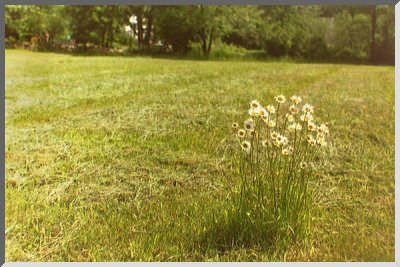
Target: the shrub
pixel 226 51
pixel 218 51
pixel 318 50
pixel 10 42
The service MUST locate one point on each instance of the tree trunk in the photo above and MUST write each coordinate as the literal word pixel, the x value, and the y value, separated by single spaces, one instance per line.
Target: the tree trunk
pixel 111 35
pixel 147 36
pixel 103 34
pixel 203 42
pixel 203 35
pixel 372 53
pixel 204 46
pixel 106 39
pixel 140 31
pixel 210 41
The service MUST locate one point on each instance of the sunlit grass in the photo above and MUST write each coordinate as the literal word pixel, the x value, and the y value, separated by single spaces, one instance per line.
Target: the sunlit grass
pixel 128 159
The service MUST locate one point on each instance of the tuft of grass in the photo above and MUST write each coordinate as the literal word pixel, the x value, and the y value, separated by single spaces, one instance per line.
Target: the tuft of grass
pixel 280 149
pixel 126 159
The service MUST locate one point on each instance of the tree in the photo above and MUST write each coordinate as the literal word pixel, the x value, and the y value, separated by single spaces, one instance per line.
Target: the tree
pixel 385 38
pixel 55 23
pixel 108 21
pixel 287 29
pixel 13 16
pixel 32 23
pixel 246 26
pixel 174 25
pixel 372 53
pixel 314 32
pixel 205 20
pixel 82 24
pixel 352 36
pixel 143 25
pixel 180 25
pixel 43 22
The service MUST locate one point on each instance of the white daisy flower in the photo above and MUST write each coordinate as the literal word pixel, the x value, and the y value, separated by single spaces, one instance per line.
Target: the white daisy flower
pixel 321 141
pixel 292 128
pixel 241 133
pixel 253 112
pixel 296 99
pixel 253 133
pixel 323 128
pixel 294 109
pixel 307 108
pixel 271 124
pixel 280 99
pixel 285 140
pixel 311 140
pixel 254 104
pixel 274 135
pixel 263 113
pixel 290 118
pixel 246 146
pixel 249 124
pixel 306 117
pixel 285 151
pixel 311 126
pixel 271 109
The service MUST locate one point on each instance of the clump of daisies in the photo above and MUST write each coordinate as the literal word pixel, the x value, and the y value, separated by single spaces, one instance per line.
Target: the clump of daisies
pixel 278 146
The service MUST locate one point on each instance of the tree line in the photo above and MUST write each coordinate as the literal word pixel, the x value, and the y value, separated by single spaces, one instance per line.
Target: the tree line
pixel 329 33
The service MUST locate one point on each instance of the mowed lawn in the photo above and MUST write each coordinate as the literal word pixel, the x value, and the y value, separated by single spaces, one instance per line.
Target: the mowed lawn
pixel 129 158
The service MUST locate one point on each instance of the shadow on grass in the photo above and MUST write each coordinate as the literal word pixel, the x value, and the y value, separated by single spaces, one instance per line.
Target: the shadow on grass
pixel 229 233
pixel 232 233
pixel 250 56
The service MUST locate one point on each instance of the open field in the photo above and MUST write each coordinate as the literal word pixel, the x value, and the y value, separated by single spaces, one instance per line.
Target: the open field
pixel 127 159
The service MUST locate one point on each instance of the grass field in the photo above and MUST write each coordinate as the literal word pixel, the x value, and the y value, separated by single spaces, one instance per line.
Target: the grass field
pixel 127 159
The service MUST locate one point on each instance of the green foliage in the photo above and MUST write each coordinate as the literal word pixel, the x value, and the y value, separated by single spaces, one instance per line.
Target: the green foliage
pixel 176 27
pixel 82 25
pixel 13 14
pixel 245 27
pixel 24 22
pixel 143 28
pixel 210 23
pixel 56 23
pixel 108 22
pixel 224 51
pixel 385 52
pixel 32 21
pixel 318 42
pixel 352 35
pixel 287 29
pixel 323 33
pixel 180 25
pixel 10 42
